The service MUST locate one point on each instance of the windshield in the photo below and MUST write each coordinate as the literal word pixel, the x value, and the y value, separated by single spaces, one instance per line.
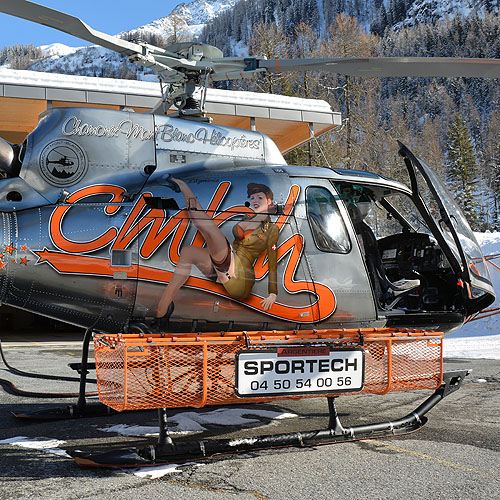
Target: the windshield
pixel 389 212
pixel 452 217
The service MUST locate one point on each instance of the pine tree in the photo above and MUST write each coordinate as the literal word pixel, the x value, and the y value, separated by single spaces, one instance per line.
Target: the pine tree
pixel 381 22
pixel 397 11
pixel 462 171
pixel 269 40
pixel 349 39
pixel 20 56
pixel 490 164
pixel 495 168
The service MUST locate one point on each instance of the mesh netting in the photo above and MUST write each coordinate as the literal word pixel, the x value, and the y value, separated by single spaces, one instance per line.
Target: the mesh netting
pixel 165 371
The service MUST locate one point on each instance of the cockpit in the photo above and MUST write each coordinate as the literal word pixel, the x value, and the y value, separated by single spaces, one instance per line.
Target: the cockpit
pixel 409 269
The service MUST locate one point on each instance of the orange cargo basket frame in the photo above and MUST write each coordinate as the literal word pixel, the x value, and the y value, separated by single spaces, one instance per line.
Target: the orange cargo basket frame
pixel 141 371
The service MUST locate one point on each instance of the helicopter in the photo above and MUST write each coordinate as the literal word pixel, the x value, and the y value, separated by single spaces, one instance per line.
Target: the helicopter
pixel 167 228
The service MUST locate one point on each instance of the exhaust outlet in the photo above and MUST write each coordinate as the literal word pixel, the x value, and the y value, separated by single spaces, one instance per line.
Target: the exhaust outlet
pixel 9 163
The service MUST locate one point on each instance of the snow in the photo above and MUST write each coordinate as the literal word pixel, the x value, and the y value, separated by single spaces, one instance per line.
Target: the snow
pixel 240 49
pixel 41 79
pixel 424 10
pixel 481 338
pixel 56 50
pixel 200 12
pixel 48 445
pixel 189 422
pixel 182 423
pixel 51 446
pixel 157 471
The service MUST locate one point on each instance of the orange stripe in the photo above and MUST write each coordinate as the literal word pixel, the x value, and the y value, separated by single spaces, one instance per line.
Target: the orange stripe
pixel 83 264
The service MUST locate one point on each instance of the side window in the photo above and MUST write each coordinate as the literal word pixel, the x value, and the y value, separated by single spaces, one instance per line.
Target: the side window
pixel 326 223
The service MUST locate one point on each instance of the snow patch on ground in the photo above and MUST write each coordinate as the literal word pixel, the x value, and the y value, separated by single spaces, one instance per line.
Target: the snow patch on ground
pixel 487 347
pixel 45 444
pixel 481 338
pixel 156 472
pixel 191 422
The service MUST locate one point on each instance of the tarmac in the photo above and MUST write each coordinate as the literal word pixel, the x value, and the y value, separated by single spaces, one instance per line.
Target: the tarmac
pixel 455 455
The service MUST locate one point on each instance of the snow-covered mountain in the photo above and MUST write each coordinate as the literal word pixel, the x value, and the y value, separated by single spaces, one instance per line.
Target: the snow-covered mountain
pixel 200 12
pixel 185 22
pixel 431 11
pixel 85 61
pixel 229 23
pixel 57 50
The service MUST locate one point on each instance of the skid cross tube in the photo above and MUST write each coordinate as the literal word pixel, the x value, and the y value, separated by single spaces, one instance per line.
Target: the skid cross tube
pixel 79 410
pixel 166 451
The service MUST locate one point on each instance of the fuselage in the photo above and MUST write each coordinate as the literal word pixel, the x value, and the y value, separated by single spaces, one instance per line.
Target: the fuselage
pixel 93 231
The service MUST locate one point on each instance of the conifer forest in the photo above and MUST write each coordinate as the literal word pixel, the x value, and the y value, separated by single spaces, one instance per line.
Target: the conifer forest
pixel 452 124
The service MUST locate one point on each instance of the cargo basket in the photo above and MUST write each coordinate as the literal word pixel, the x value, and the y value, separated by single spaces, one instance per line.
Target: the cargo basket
pixel 141 371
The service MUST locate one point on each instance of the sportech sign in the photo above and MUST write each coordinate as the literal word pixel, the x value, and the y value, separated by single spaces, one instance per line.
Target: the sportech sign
pixel 157 231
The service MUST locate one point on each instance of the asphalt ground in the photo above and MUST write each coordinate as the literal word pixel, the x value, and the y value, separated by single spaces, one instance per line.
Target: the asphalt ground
pixel 454 456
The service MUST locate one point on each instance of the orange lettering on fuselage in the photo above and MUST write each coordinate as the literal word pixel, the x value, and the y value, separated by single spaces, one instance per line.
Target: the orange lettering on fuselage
pixel 55 225
pixel 159 229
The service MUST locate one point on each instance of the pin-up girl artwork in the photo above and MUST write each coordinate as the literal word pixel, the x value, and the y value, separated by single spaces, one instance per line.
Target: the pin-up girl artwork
pixel 231 265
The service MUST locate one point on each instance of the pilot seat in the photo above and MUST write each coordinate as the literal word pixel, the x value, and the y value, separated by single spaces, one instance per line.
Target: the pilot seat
pixel 388 293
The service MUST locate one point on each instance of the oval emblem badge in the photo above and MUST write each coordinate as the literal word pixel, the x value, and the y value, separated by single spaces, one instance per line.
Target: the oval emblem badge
pixel 63 163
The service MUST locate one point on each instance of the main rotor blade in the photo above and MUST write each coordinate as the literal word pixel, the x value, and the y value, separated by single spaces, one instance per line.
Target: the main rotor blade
pixel 390 66
pixel 68 24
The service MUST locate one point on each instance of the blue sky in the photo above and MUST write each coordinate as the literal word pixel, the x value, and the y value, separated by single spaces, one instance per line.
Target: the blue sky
pixel 108 16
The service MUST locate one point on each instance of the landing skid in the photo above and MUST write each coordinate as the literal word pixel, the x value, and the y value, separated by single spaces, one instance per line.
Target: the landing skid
pixel 81 409
pixel 66 413
pixel 165 451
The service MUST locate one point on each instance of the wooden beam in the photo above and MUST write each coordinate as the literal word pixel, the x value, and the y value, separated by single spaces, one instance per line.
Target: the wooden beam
pixel 19 117
pixel 231 121
pixel 67 104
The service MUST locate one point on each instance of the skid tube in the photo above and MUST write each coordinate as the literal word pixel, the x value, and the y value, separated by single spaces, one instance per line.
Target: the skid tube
pixel 81 409
pixel 166 451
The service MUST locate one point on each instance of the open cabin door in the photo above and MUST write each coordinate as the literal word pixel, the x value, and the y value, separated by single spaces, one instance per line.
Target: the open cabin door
pixel 333 257
pixel 451 229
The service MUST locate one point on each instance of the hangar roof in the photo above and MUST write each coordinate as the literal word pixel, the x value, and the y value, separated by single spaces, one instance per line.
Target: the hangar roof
pixel 289 121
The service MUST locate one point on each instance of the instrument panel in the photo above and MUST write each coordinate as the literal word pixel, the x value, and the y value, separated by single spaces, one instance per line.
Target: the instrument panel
pixel 411 252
